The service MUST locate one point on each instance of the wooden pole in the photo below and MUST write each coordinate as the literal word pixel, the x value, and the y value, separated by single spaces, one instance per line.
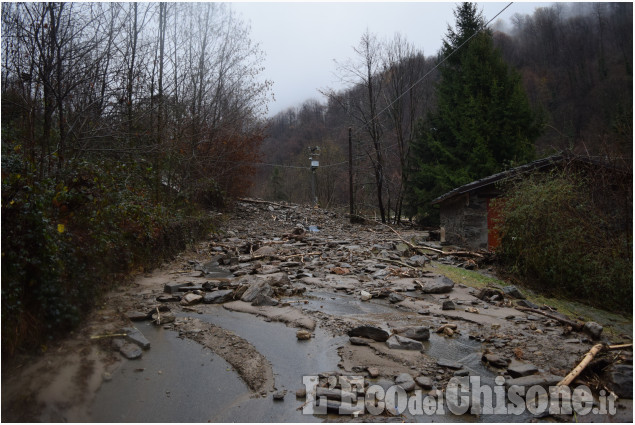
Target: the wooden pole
pixel 579 368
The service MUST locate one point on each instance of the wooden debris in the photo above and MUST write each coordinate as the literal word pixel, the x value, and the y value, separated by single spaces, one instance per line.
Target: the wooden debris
pixel 259 201
pixel 619 346
pixel 583 364
pixel 107 336
pixel 422 248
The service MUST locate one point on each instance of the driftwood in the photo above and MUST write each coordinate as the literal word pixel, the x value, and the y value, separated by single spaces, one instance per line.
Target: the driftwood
pixel 583 364
pixel 587 359
pixel 421 248
pixel 619 346
pixel 574 325
pixel 258 201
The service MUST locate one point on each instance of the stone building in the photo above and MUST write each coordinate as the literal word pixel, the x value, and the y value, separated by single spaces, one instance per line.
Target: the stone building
pixel 467 212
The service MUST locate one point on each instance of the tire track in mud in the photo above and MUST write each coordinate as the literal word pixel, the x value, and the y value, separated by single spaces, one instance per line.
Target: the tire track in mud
pixel 251 365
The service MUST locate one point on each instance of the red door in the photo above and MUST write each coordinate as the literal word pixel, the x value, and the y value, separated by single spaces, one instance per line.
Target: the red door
pixel 493 215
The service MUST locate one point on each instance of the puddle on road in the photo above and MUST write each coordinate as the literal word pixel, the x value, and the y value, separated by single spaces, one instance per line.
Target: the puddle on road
pixel 195 385
pixel 290 359
pixel 185 382
pixel 180 382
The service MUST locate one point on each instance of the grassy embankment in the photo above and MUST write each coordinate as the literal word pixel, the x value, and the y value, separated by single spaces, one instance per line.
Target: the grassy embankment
pixel 614 324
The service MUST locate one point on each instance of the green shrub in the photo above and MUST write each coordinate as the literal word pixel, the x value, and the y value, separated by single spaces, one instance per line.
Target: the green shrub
pixel 67 238
pixel 570 233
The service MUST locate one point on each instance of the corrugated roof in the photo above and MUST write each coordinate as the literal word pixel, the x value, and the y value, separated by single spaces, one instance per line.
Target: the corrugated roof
pixel 531 166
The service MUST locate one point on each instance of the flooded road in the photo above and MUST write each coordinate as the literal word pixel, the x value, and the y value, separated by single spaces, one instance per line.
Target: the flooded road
pixel 235 324
pixel 184 382
pixel 178 380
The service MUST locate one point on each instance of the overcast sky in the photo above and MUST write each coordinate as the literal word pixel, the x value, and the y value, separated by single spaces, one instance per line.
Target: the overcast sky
pixel 301 41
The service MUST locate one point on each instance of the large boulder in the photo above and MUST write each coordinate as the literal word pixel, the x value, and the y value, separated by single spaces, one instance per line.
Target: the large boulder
pixel 130 351
pixel 405 381
pixel 278 279
pixel 448 305
pixel 545 380
pixel 440 285
pixel 593 329
pixel 495 360
pixel 218 297
pixel 256 289
pixel 418 333
pixel 424 382
pixel 355 340
pixel 512 291
pixel 621 380
pixel 369 331
pixel 517 370
pixel 191 299
pixel 418 260
pixel 262 299
pixel 135 336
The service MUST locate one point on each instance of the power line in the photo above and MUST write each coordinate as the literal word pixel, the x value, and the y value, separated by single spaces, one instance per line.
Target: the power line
pixel 439 64
pixel 384 149
pixel 445 58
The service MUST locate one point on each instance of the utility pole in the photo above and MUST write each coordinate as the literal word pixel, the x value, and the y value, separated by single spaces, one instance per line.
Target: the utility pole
pixel 315 163
pixel 350 173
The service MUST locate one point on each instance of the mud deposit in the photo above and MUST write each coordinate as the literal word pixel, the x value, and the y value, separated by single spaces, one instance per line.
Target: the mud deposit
pixel 232 329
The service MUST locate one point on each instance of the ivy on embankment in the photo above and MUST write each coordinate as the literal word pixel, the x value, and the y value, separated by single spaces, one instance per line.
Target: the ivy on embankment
pixel 70 236
pixel 569 233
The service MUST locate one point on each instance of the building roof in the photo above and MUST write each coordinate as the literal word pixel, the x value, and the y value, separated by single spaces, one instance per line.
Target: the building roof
pixel 544 163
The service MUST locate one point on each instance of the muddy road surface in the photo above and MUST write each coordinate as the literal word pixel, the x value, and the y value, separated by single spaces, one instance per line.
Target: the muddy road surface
pixel 292 314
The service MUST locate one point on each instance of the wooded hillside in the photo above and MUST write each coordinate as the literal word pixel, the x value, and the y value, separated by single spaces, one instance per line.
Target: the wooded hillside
pixel 575 63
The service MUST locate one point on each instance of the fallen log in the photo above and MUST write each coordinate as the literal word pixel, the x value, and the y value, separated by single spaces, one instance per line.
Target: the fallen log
pixel 581 366
pixel 577 326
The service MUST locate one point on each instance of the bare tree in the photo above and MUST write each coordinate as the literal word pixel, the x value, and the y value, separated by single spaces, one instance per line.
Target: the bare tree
pixel 364 73
pixel 406 96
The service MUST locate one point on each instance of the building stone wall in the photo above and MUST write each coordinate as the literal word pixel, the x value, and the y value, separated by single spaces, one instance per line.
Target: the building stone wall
pixel 464 218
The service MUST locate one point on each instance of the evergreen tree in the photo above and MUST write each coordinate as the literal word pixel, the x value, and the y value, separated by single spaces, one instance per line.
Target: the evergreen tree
pixel 483 120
